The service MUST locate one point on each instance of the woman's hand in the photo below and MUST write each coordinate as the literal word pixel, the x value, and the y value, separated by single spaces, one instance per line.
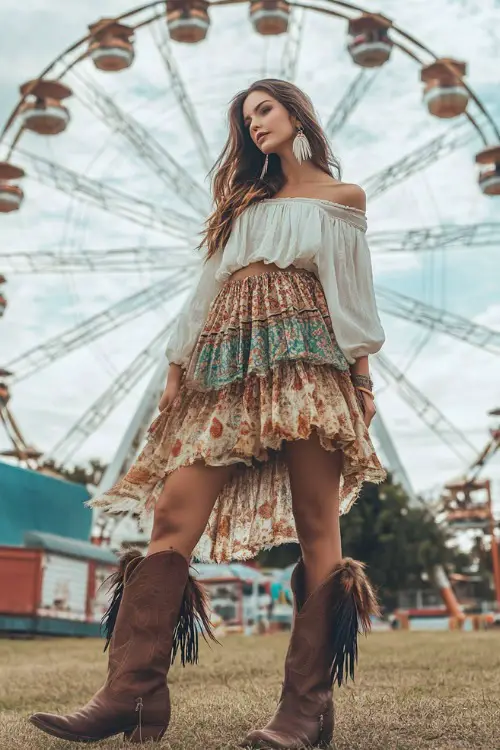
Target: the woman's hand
pixel 369 409
pixel 360 375
pixel 172 387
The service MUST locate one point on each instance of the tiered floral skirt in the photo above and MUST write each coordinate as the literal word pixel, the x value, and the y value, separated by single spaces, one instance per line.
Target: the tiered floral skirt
pixel 266 369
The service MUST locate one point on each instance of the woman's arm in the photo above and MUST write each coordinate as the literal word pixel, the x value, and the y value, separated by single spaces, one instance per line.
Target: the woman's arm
pixel 190 320
pixel 361 367
pixel 360 376
pixel 347 278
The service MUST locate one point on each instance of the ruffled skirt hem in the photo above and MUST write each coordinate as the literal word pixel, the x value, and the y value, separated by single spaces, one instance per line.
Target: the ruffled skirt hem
pixel 246 424
pixel 245 421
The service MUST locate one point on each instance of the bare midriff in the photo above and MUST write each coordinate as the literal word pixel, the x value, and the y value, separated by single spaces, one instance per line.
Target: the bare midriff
pixel 255 269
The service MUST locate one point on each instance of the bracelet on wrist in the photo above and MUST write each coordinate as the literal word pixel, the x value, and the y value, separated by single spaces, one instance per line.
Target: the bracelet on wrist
pixel 362 381
pixel 365 390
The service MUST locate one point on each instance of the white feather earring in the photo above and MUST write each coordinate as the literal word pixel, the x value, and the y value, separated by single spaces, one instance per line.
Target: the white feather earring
pixel 301 147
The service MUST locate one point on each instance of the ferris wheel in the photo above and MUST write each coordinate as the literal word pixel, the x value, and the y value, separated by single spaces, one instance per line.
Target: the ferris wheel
pixel 108 149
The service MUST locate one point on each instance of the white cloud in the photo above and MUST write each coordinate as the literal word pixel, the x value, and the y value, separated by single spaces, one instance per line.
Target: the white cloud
pixel 391 121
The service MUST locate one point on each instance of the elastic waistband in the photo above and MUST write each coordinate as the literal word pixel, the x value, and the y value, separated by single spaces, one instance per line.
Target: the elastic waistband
pixel 279 272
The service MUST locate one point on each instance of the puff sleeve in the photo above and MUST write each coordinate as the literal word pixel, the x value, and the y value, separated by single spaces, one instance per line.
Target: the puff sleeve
pixel 192 316
pixel 345 271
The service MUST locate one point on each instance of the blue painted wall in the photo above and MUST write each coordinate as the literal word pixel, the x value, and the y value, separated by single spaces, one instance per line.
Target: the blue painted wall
pixel 33 502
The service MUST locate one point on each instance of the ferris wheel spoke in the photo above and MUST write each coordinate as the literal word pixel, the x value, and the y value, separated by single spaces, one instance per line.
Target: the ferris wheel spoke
pixel 18 445
pixel 391 454
pixel 291 50
pixel 102 407
pixel 109 199
pixel 436 238
pixel 349 101
pixel 35 359
pixel 422 406
pixel 455 137
pixel 121 260
pixel 485 455
pixel 162 42
pixel 20 448
pixel 435 319
pixel 154 154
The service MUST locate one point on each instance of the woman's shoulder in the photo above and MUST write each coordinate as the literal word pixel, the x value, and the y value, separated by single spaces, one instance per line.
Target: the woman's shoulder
pixel 346 194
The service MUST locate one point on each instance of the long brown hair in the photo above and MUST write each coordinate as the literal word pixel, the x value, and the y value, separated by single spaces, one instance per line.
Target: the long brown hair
pixel 236 182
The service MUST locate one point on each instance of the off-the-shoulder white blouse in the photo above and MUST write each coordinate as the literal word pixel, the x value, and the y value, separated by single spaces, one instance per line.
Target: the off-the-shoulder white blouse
pixel 318 235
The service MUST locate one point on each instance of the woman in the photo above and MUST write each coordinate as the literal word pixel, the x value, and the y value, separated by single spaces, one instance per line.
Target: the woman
pixel 262 433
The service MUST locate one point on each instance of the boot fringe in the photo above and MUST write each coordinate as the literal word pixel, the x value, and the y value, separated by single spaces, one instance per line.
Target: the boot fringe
pixel 193 617
pixel 116 582
pixel 355 603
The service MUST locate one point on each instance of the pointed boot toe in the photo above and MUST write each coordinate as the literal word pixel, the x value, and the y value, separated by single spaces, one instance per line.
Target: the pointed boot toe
pixel 255 739
pixel 55 725
pixel 259 739
pixel 323 649
pixel 282 739
pixel 154 614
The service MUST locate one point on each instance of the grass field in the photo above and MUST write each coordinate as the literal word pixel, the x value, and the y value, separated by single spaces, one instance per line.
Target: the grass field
pixel 413 690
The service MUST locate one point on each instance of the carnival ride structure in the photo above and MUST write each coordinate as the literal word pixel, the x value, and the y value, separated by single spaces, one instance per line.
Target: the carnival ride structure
pixel 90 80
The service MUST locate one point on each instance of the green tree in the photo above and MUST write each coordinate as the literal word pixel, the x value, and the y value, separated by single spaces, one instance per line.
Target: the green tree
pixel 90 474
pixel 397 542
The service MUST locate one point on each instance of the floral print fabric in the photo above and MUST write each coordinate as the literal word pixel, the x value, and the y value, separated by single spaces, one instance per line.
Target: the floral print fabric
pixel 260 324
pixel 266 368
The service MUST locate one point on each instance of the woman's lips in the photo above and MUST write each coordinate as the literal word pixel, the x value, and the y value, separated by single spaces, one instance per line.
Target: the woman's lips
pixel 261 137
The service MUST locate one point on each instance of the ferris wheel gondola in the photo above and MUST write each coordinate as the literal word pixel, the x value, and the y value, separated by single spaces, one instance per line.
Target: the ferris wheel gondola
pixel 489 178
pixel 11 195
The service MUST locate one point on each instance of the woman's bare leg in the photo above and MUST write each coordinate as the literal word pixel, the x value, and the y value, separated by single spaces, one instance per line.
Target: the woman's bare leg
pixel 184 506
pixel 305 715
pixel 315 481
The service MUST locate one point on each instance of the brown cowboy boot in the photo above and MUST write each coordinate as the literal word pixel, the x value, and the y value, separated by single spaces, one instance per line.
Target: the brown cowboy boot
pixel 323 649
pixel 154 613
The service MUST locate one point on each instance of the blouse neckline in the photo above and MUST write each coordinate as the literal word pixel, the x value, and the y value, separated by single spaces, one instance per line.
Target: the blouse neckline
pixel 358 211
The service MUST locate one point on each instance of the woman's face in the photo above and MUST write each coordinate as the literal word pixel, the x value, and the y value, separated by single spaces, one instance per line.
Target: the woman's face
pixel 269 123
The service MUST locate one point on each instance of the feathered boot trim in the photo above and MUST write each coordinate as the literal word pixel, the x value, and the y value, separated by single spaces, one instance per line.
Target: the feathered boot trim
pixel 354 603
pixel 193 616
pixel 116 583
pixel 156 609
pixel 323 649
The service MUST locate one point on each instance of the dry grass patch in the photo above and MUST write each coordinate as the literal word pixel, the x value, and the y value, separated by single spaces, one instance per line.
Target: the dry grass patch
pixel 439 691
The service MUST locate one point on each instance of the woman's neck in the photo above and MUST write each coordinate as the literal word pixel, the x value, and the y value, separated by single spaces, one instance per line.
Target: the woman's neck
pixel 299 174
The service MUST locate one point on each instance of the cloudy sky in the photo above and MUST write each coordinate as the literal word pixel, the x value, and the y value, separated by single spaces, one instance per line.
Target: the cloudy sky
pixel 391 121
